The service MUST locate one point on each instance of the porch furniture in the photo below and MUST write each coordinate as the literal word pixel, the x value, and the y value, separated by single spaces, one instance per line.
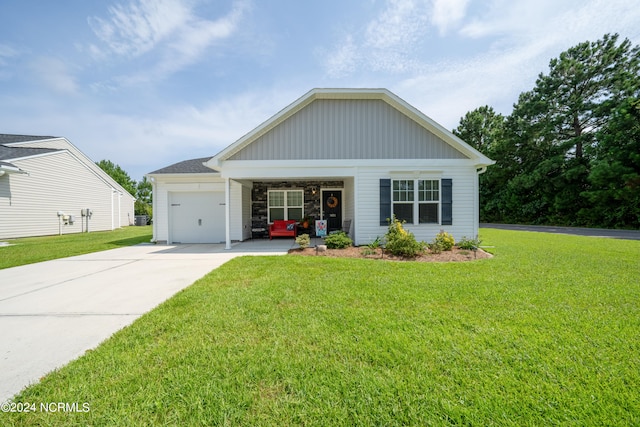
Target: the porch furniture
pixel 282 228
pixel 346 227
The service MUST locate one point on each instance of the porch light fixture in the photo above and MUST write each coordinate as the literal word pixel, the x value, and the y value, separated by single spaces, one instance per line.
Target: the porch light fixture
pixel 314 190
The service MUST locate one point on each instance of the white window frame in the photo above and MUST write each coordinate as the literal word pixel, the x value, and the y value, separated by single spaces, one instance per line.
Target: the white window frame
pixel 415 198
pixel 286 206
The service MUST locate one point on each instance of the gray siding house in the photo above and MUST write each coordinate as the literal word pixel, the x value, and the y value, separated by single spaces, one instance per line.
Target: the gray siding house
pixel 349 156
pixel 47 184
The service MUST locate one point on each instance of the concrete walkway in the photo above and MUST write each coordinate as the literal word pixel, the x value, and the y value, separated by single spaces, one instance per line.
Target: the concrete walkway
pixel 52 312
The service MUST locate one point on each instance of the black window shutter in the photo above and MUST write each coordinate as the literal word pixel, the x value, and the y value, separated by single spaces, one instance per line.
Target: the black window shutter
pixel 385 201
pixel 447 201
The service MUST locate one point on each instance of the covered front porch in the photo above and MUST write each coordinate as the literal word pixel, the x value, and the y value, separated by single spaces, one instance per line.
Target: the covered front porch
pixel 260 202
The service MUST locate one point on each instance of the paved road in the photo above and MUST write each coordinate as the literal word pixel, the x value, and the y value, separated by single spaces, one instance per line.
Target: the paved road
pixel 578 231
pixel 52 312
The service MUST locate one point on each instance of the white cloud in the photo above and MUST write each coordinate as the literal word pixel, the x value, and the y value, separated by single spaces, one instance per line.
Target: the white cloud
pixel 54 74
pixel 136 27
pixel 448 13
pixel 399 26
pixel 514 40
pixel 170 29
pixel 342 61
pixel 394 40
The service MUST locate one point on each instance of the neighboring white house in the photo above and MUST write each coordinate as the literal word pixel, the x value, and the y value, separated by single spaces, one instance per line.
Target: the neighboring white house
pixel 47 185
pixel 344 155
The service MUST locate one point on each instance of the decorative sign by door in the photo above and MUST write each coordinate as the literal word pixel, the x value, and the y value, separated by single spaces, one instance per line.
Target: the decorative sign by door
pixel 321 228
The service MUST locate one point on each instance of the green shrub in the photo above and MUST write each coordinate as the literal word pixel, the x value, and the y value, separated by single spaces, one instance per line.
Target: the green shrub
pixel 401 242
pixel 469 244
pixel 375 244
pixel 303 240
pixel 435 247
pixel 444 240
pixel 338 240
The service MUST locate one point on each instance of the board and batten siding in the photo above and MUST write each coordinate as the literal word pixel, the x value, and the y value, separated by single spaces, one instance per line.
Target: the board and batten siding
pixel 465 203
pixel 348 129
pixel 56 182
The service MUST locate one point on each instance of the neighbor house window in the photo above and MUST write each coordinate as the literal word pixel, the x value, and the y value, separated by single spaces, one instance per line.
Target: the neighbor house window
pixel 285 204
pixel 419 198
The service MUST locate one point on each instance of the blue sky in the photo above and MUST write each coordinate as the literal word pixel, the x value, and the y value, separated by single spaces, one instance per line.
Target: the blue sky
pixel 147 83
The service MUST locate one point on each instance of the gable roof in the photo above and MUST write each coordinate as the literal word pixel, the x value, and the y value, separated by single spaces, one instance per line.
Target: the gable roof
pixel 9 154
pixel 444 142
pixel 13 153
pixel 8 138
pixel 186 166
pixel 24 146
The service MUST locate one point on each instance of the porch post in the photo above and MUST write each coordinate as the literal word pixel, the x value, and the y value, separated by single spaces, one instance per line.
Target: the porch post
pixel 227 212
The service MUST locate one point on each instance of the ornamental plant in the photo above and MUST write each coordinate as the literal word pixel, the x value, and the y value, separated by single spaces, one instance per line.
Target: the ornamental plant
pixel 401 242
pixel 338 240
pixel 469 244
pixel 303 240
pixel 442 242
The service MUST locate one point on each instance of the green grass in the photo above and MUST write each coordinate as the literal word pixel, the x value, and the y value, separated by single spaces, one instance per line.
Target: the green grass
pixel 36 249
pixel 545 333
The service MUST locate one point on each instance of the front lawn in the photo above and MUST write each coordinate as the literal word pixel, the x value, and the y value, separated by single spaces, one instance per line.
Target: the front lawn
pixel 36 249
pixel 545 333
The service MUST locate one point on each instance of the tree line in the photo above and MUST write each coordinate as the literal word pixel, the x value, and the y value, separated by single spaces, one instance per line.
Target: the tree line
pixel 569 153
pixel 141 190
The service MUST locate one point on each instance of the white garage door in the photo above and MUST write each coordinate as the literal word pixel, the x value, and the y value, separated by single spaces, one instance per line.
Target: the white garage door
pixel 196 217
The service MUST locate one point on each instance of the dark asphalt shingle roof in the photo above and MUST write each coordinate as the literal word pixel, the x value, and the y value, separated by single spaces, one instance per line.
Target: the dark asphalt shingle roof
pixel 187 166
pixel 8 153
pixel 8 138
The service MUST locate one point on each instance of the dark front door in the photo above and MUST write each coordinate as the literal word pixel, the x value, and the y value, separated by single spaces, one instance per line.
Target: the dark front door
pixel 332 209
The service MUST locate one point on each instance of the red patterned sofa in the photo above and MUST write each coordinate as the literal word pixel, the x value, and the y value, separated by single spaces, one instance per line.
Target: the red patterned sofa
pixel 281 228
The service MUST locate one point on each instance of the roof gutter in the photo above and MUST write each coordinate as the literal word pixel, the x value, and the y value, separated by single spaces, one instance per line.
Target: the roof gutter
pixel 9 169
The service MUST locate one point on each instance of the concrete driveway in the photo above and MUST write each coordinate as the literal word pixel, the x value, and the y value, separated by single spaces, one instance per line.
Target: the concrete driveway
pixel 52 312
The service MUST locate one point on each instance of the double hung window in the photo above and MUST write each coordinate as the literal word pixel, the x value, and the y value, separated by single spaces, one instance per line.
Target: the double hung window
pixel 416 199
pixel 285 204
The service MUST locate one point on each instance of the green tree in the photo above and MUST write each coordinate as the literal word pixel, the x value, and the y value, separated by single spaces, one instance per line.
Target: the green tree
pixel 614 192
pixel 483 129
pixel 119 175
pixel 552 135
pixel 144 198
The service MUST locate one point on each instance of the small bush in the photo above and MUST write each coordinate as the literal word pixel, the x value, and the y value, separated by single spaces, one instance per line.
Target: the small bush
pixel 444 240
pixel 401 242
pixel 469 244
pixel 366 251
pixel 435 247
pixel 375 244
pixel 338 240
pixel 303 240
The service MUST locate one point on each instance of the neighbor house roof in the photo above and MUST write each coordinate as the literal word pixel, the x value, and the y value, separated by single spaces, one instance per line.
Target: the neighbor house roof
pixel 186 166
pixel 12 153
pixel 14 147
pixel 8 154
pixel 8 138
